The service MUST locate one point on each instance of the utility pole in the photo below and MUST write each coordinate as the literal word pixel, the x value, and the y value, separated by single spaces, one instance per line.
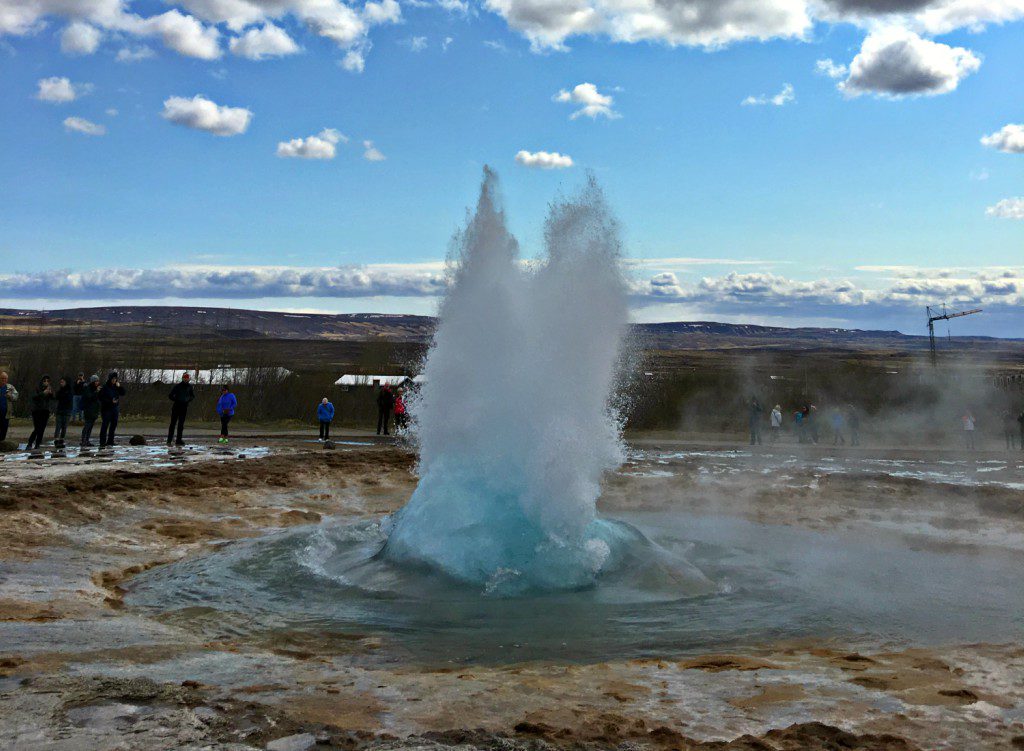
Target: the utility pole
pixel 933 316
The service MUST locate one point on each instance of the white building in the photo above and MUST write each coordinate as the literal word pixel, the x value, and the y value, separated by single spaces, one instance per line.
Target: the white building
pixel 349 380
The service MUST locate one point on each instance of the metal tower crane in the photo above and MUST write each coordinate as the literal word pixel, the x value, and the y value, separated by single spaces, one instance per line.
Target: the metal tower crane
pixel 933 316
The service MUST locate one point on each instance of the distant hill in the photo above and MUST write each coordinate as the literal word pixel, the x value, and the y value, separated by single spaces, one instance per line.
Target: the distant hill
pixel 230 323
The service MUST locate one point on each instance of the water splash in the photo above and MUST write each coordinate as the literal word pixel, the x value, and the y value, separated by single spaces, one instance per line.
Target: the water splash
pixel 514 422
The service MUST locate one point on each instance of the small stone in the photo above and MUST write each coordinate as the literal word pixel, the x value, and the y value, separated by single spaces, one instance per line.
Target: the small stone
pixel 300 742
pixel 137 440
pixel 328 445
pixel 7 447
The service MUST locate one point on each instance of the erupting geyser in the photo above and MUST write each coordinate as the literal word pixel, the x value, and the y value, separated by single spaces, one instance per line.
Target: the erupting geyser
pixel 514 423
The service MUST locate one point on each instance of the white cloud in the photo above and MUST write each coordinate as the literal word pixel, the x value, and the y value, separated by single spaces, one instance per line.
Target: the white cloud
pixel 1009 139
pixel 226 282
pixel 785 96
pixel 134 54
pixel 264 42
pixel 80 38
pixel 111 112
pixel 202 114
pixel 416 44
pixel 354 61
pixel 702 23
pixel 1008 208
pixel 446 43
pixel 894 62
pixel 372 153
pixel 454 6
pixel 592 103
pixel 544 159
pixel 183 34
pixel 827 67
pixel 86 127
pixel 321 146
pixel 59 90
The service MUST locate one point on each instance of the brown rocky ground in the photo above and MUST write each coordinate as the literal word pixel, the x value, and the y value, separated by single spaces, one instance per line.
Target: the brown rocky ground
pixel 79 670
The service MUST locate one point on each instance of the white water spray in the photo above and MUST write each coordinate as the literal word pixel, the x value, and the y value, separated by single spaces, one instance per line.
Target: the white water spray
pixel 514 422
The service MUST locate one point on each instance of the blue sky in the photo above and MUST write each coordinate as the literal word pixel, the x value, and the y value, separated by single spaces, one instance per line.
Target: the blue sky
pixel 854 199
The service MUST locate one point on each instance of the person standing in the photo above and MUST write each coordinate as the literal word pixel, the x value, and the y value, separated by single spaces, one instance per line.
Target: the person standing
pixel 801 428
pixel 42 403
pixel 401 411
pixel 853 422
pixel 756 410
pixel 1020 421
pixel 969 425
pixel 65 404
pixel 1010 429
pixel 110 409
pixel 90 409
pixel 776 423
pixel 226 406
pixel 385 403
pixel 837 428
pixel 76 397
pixel 8 395
pixel 325 414
pixel 181 396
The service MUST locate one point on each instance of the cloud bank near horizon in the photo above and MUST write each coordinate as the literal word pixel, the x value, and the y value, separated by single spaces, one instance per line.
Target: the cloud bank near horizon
pixel 878 295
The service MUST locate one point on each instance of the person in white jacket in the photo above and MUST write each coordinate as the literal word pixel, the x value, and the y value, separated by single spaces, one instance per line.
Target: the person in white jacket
pixel 8 394
pixel 776 423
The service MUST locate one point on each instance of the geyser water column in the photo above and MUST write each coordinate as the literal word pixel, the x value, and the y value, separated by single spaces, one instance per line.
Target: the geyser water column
pixel 514 422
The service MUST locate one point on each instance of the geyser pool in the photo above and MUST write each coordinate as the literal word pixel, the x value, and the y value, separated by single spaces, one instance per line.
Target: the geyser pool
pixel 324 585
pixel 514 424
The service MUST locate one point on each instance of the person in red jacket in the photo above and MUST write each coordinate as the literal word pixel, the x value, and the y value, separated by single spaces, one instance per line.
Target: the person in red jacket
pixel 401 413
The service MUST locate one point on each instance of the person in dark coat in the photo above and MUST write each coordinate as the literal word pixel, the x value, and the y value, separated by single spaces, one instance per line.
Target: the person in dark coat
pixel 385 403
pixel 110 409
pixel 65 404
pixel 77 389
pixel 181 396
pixel 42 404
pixel 756 411
pixel 90 409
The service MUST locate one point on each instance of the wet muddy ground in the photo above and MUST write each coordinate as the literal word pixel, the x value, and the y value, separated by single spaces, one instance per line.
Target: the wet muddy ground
pixel 82 666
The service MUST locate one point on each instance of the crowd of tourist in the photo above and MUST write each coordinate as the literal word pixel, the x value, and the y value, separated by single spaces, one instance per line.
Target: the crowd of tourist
pixel 84 401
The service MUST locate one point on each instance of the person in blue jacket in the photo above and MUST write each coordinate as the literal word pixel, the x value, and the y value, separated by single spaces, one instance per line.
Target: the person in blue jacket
pixel 226 409
pixel 325 413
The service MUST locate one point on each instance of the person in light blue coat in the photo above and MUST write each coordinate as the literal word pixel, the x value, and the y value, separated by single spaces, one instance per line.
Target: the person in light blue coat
pixel 325 414
pixel 226 406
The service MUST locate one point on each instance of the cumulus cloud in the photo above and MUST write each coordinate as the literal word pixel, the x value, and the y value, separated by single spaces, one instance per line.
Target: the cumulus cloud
pixel 1009 139
pixel 371 153
pixel 592 103
pixel 83 126
pixel 264 42
pixel 134 54
pixel 80 38
pixel 184 34
pixel 828 67
pixel 202 114
pixel 1008 208
pixel 354 61
pixel 59 90
pixel 416 44
pixel 895 62
pixel 321 146
pixel 544 159
pixel 225 282
pixel 784 97
pixel 190 27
